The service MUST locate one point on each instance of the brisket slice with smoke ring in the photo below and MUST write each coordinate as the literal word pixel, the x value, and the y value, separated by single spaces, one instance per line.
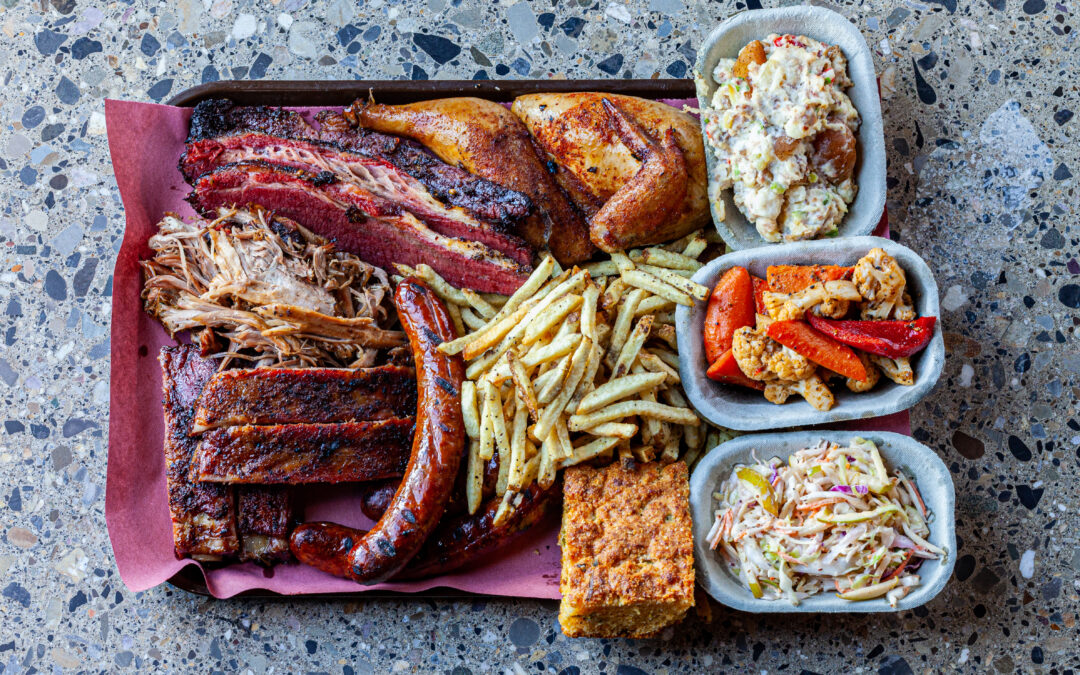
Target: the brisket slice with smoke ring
pixel 389 187
pixel 348 217
pixel 454 186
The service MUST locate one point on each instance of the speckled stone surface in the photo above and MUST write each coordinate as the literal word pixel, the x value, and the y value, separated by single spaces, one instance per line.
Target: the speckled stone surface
pixel 978 104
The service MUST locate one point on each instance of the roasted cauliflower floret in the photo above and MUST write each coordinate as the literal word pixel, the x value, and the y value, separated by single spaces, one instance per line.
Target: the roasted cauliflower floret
pixel 829 299
pixel 905 309
pixel 897 370
pixel 764 359
pixel 812 388
pixel 873 375
pixel 881 282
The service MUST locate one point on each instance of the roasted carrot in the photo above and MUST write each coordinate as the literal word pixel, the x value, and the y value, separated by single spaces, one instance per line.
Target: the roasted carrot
pixel 818 347
pixel 731 306
pixel 725 369
pixel 794 278
pixel 760 286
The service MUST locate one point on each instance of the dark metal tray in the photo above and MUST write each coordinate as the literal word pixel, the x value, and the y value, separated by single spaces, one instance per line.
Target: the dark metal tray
pixel 344 92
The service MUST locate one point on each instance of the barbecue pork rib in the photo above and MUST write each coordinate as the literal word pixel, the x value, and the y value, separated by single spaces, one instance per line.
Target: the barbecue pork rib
pixel 312 395
pixel 306 453
pixel 218 118
pixel 203 515
pixel 389 188
pixel 265 517
pixel 355 223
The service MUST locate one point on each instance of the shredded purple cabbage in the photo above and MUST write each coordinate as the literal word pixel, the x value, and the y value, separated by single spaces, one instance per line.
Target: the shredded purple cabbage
pixel 862 489
pixel 841 488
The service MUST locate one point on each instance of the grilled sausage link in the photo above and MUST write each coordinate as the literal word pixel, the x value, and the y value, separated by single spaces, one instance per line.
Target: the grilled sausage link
pixel 466 538
pixel 438 445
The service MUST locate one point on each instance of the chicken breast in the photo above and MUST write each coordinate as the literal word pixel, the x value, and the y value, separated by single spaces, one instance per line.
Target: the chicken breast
pixel 576 132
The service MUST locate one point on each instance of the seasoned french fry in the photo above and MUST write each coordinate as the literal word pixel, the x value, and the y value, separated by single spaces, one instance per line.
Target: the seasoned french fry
pixel 588 380
pixel 532 467
pixel 653 304
pixel 665 318
pixel 648 282
pixel 555 409
pixel 590 297
pixel 474 485
pixel 469 317
pixel 557 348
pixel 606 268
pixel 676 279
pixel 546 470
pixel 622 262
pixel 696 245
pixel 517 446
pixel 487 426
pixel 670 452
pixel 647 409
pixel 478 342
pixel 564 446
pixel 653 430
pixel 668 357
pixel 506 507
pixel 552 386
pixel 495 299
pixel 623 430
pixel 664 258
pixel 590 450
pixel 478 303
pixel 405 270
pixel 442 288
pixel 550 318
pixel 632 346
pixel 455 317
pixel 617 389
pixel 540 276
pixel 609 301
pixel 493 403
pixel 523 384
pixel 644 453
pixel 666 332
pixel 468 409
pixel 623 321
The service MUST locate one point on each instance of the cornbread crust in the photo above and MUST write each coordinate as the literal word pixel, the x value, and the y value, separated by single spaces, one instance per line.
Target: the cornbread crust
pixel 627 550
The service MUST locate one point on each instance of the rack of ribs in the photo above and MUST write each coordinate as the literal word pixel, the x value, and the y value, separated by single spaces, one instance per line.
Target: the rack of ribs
pixel 264 520
pixel 203 514
pixel 306 453
pixel 313 395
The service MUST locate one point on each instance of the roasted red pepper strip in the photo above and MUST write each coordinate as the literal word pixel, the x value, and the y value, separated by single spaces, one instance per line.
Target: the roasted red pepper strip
pixel 894 339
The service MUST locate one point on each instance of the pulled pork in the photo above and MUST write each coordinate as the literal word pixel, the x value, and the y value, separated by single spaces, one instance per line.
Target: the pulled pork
pixel 254 287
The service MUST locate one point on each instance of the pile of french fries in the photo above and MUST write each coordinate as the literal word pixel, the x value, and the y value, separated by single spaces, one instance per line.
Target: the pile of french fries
pixel 576 365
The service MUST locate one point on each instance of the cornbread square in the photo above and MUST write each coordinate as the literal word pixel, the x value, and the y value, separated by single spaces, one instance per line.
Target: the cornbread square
pixel 627 550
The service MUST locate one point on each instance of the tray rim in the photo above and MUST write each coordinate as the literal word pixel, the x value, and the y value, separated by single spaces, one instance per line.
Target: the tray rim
pixel 342 92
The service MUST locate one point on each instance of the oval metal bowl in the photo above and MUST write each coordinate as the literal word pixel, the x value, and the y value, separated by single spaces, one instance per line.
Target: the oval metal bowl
pixel 918 461
pixel 745 409
pixel 831 28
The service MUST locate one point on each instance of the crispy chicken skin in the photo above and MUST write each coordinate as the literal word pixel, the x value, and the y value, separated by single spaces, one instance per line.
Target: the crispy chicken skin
pixel 486 139
pixel 576 131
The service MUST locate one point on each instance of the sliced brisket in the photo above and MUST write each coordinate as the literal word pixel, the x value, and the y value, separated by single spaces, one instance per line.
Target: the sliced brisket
pixel 306 453
pixel 389 187
pixel 356 223
pixel 454 186
pixel 316 395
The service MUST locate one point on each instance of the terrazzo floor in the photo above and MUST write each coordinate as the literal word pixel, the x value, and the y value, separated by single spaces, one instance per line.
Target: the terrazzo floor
pixel 978 99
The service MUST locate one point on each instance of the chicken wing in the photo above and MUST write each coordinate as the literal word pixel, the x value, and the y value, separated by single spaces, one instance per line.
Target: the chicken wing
pixel 486 139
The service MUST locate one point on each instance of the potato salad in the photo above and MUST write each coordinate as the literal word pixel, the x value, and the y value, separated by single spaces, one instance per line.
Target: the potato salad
pixel 783 130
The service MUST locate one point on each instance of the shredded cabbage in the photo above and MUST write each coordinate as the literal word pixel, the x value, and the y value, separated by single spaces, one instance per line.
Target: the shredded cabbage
pixel 831 518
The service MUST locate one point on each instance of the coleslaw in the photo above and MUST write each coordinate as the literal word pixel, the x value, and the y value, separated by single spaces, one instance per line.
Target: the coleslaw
pixel 831 518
